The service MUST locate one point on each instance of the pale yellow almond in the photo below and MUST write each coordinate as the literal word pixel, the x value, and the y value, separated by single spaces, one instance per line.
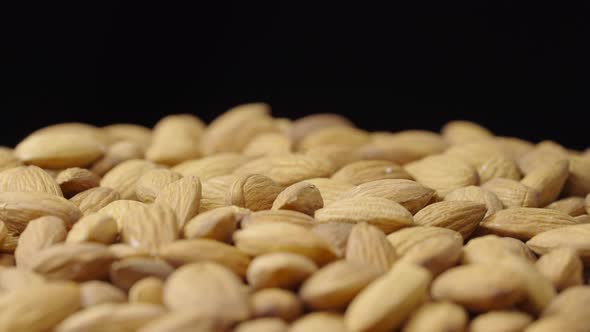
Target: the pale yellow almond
pixel 99 292
pixel 79 128
pixel 283 237
pixel 524 223
pixel 211 166
pixel 276 302
pixel 73 261
pixel 578 181
pixel 38 308
pixel 111 317
pixel 443 173
pixel 28 179
pixel 498 167
pixel 336 234
pixel 582 219
pixel 75 180
pixel 8 159
pixel 404 239
pixel 543 154
pixel 330 189
pixel 122 250
pixel 279 270
pixel 147 290
pixel 513 146
pixel 116 154
pixel 287 169
pixel 405 286
pixel 208 288
pixel 214 190
pixel 121 209
pixel 344 135
pixel 490 248
pixel 339 155
pixel 184 252
pixel 562 267
pixel 367 245
pixel 319 321
pixel 126 272
pixel 557 323
pixel 14 278
pixel 460 216
pixel 410 194
pixel 513 193
pixel 123 177
pixel 477 195
pixel 302 196
pixel 437 317
pixel 571 303
pixel 186 321
pixel 254 192
pixel 267 144
pixel 97 227
pixel 152 181
pixel 548 180
pixel 335 285
pixel 370 170
pixel 304 126
pixel 17 209
pixel 137 134
pixel 574 206
pixel 575 237
pixel 383 213
pixel 233 130
pixel 272 216
pixel 436 254
pixel 175 138
pixel 477 153
pixel 92 200
pixel 460 131
pixel 262 325
pixel 217 224
pixel 478 287
pixel 183 196
pixel 59 149
pixel 500 321
pixel 40 233
pixel 408 145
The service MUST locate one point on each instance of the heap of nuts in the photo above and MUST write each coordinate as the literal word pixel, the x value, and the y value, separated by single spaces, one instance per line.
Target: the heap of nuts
pixel 254 223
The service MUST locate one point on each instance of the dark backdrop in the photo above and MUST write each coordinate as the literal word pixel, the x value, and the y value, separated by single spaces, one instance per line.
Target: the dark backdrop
pixel 517 67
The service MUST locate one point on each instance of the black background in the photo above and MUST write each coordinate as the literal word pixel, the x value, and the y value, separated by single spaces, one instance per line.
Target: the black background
pixel 517 67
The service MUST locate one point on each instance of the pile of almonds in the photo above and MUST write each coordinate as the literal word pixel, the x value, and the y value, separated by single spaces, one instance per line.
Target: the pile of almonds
pixel 255 223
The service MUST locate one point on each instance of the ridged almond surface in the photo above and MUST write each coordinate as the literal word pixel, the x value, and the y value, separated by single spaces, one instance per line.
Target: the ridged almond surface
pixel 117 154
pixel 513 193
pixel 148 290
pixel 276 302
pixel 490 248
pixel 574 206
pixel 410 194
pixel 184 252
pixel 39 234
pixel 272 216
pixel 214 190
pixel 336 234
pixel 287 169
pixel 314 122
pixel 268 144
pixel 575 237
pixel 498 167
pixel 99 292
pixel 280 269
pixel 383 213
pixel 211 166
pixel 443 173
pixel 478 195
pixel 111 317
pixel 459 131
pixel 319 321
pixel 578 181
pixel 370 170
pixel 152 181
pixel 438 317
pixel 92 200
pixel 335 285
pixel 217 224
pixel 38 308
pixel 562 267
pixel 124 177
pixel 582 219
pixel 183 196
pixel 367 245
pixel 302 196
pixel 460 216
pixel 548 180
pixel 175 139
pixel 524 223
pixel 330 189
pixel 18 208
pixel 73 261
pixel 405 286
pixel 208 288
pixel 283 237
pixel 500 321
pixel 254 192
pixel 75 180
pixel 28 179
pixel 97 227
pixel 127 271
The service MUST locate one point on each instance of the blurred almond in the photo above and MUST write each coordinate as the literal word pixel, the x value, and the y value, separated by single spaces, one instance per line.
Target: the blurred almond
pixel 524 223
pixel 513 193
pixel 460 131
pixel 406 146
pixel 152 181
pixel 460 216
pixel 572 303
pixel 302 196
pixel 262 325
pixel 14 278
pixel 578 182
pixel 336 234
pixel 344 135
pixel 281 169
pixel 500 321
pixel 92 200
pixel 543 154
pixel 39 234
pixel 75 180
pixel 95 227
pixel 99 292
pixel 8 159
pixel 28 179
pixel 514 147
pixel 339 155
pixel 217 224
pixel 436 254
pixel 319 321
pixel 438 317
pixel 368 246
pixel 111 317
pixel 582 219
pixel 314 122
pixel 562 267
pixel 272 216
pixel 548 180
pixel 281 269
pixel 490 248
pixel 211 166
pixel 478 153
pixel 214 190
pixel 498 167
pixel 268 144
pixel 254 192
pixel 276 302
pixel 443 173
pixel 370 170
pixel 116 154
pixel 575 237
pixel 556 323
pixel 186 321
pixel 137 134
pixel 183 196
pixel 147 290
pixel 175 139
pixel 574 206
pixel 477 195
pixel 330 189
pixel 410 194
pixel 127 271
pixel 123 177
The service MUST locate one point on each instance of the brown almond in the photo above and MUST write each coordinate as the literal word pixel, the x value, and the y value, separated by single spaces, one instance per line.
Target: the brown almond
pixel 281 168
pixel 405 286
pixel 276 302
pixel 330 189
pixel 280 270
pixel 97 227
pixel 477 195
pixel 211 166
pixel 147 290
pixel 574 206
pixel 513 193
pixel 319 321
pixel 99 292
pixel 92 200
pixel 217 224
pixel 75 180
pixel 562 267
pixel 575 237
pixel 302 196
pixel 127 271
pixel 111 317
pixel 152 181
pixel 28 179
pixel 500 321
pixel 117 154
pixel 459 131
pixel 175 139
pixel 436 254
pixel 370 170
pixel 588 204
pixel 208 288
pixel 367 245
pixel 183 196
pixel 443 173
pixel 524 223
pixel 336 234
pixel 383 213
pixel 272 216
pixel 406 238
pixel 582 219
pixel 268 144
pixel 437 317
pixel 123 177
pixel 460 216
pixel 39 234
pixel 548 180
pixel 254 192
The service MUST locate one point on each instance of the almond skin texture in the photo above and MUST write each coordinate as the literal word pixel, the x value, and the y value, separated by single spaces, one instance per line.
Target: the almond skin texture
pixel 96 227
pixel 513 193
pixel 92 200
pixel 302 196
pixel 287 169
pixel 75 180
pixel 151 182
pixel 283 270
pixel 276 302
pixel 330 189
pixel 39 234
pixel 182 196
pixel 524 223
pixel 443 173
pixel 211 166
pixel 28 179
pixel 548 180
pixel 383 213
pixel 575 237
pixel 498 167
pixel 254 192
pixel 477 195
pixel 367 245
pixel 370 170
pixel 460 216
pixel 562 267
pixel 371 311
pixel 272 216
pixel 336 234
pixel 123 177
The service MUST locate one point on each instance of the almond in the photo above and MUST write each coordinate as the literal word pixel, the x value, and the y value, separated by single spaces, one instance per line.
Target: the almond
pixel 314 122
pixel 147 290
pixel 186 321
pixel 28 179
pixel 217 224
pixel 370 170
pixel 443 173
pixel 498 167
pixel 123 177
pixel 211 166
pixel 39 234
pixel 578 182
pixel 75 180
pixel 405 146
pixel 319 321
pixel 500 321
pixel 367 245
pixel 137 134
pixel 336 234
pixel 575 237
pixel 490 248
pixel 13 278
pixel 460 216
pixel 152 181
pixel 330 189
pixel 281 269
pixel 344 135
pixel 183 196
pixel 459 131
pixel 548 180
pixel 477 195
pixel 571 303
pixel 175 139
pixel 276 302
pixel 96 227
pixel 99 292
pixel 287 169
pixel 543 154
pixel 556 323
pixel 272 216
pixel 127 271
pixel 438 317
pixel 477 153
pixel 582 219
pixel 8 159
pixel 92 200
pixel 268 144
pixel 111 317
pixel 339 155
pixel 254 192
pixel 562 267
pixel 574 206
pixel 214 190
pixel 437 254
pixel 117 154
pixel 410 194
pixel 302 196
pixel 513 193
